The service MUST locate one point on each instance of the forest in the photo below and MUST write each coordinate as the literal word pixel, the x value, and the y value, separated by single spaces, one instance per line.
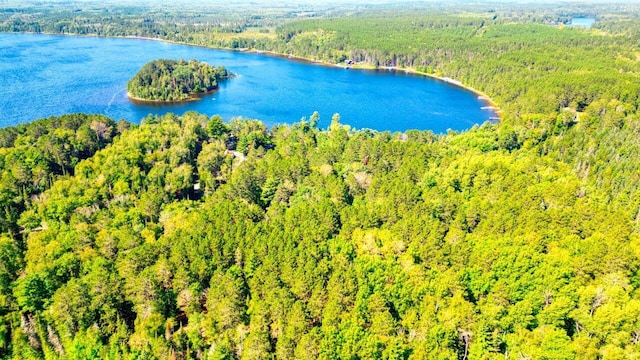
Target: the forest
pixel 171 80
pixel 190 237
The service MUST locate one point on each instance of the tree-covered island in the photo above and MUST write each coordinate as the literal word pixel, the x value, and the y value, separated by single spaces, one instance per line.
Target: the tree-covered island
pixel 170 80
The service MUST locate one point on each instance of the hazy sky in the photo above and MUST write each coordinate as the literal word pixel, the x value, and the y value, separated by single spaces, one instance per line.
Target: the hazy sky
pixel 278 3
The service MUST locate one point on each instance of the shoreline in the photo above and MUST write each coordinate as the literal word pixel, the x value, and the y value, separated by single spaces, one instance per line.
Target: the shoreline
pixel 191 98
pixel 147 101
pixel 366 67
pixel 481 95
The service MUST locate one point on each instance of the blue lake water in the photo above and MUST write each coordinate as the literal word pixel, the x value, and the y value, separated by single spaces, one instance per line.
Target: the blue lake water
pixel 44 75
pixel 583 22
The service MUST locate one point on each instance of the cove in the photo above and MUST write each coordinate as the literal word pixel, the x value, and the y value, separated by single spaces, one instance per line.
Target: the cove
pixel 47 75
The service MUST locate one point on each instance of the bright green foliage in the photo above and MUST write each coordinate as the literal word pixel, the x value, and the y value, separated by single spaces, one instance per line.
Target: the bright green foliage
pixel 216 128
pixel 333 244
pixel 170 80
pixel 32 157
pixel 514 240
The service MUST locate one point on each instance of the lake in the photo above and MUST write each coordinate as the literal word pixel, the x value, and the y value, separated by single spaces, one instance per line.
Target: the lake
pixel 582 22
pixel 45 75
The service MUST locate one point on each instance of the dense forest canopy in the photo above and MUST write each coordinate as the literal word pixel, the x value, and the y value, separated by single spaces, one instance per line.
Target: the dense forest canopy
pixel 171 80
pixel 310 243
pixel 188 237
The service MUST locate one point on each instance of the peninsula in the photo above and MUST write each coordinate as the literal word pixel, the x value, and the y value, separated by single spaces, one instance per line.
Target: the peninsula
pixel 175 81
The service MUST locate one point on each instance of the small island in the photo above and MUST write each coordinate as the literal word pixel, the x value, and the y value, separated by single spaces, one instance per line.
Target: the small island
pixel 175 81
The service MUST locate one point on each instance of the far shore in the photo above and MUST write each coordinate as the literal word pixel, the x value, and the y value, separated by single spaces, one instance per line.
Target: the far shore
pixel 359 66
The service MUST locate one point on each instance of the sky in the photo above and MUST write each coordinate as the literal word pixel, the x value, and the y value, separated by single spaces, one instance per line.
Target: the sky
pixel 278 3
